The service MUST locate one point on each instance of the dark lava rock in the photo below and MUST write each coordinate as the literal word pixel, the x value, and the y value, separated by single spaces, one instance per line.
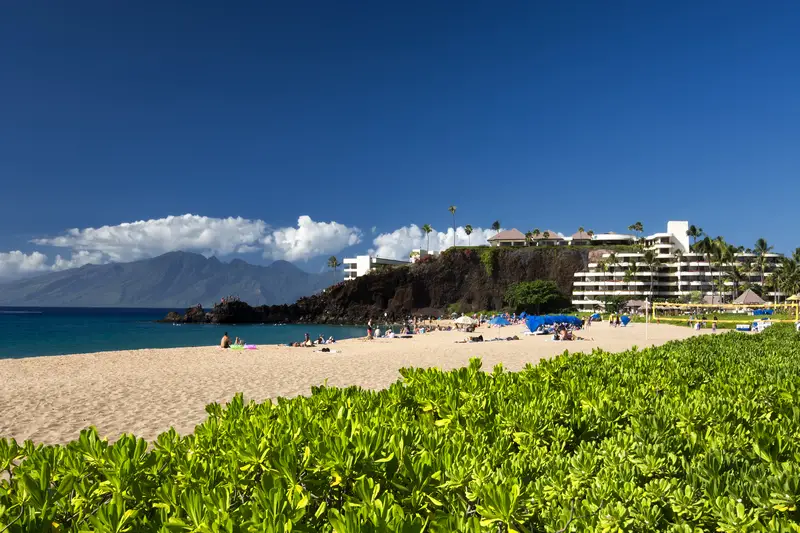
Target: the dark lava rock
pixel 474 278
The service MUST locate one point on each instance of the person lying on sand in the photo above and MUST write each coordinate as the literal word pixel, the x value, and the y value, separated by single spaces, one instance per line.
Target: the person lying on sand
pixel 225 342
pixel 320 339
pixel 307 341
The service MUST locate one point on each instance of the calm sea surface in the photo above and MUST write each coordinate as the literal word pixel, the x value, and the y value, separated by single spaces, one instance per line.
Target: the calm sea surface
pixel 34 331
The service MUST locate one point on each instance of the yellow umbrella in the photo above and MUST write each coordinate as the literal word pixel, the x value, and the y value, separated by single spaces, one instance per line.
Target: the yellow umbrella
pixel 795 298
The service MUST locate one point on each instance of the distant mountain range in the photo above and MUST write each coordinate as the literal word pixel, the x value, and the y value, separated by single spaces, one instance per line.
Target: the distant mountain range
pixel 175 279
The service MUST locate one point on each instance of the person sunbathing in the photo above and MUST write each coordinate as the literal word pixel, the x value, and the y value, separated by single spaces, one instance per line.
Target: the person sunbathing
pixel 225 342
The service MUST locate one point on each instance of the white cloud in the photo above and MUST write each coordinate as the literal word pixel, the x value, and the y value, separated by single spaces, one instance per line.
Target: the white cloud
pixel 130 241
pixel 399 243
pixel 18 264
pixel 309 239
pixel 146 238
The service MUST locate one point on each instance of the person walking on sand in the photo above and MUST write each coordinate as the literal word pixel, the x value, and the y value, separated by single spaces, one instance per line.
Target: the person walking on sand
pixel 369 329
pixel 225 342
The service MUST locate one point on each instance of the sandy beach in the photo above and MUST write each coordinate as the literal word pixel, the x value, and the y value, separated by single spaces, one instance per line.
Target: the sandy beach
pixel 144 392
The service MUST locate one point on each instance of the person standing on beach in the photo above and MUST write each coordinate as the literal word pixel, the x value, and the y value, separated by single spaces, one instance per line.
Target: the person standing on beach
pixel 369 329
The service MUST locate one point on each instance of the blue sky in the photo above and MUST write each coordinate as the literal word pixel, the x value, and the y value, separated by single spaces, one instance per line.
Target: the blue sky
pixel 378 115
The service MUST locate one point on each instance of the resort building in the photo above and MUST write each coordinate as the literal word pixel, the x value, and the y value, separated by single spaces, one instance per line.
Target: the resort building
pixel 355 267
pixel 509 237
pixel 674 272
pixel 514 237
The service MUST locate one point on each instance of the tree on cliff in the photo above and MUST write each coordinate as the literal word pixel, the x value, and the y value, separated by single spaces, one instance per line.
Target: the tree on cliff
pixel 534 296
pixel 427 229
pixel 468 231
pixel 334 264
pixel 452 210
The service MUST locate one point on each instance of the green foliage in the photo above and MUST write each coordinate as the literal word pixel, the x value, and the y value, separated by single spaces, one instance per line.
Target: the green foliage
pixel 615 304
pixel 700 435
pixel 534 296
pixel 488 259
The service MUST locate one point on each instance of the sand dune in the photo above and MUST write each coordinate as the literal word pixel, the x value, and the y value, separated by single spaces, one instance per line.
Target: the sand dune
pixel 50 399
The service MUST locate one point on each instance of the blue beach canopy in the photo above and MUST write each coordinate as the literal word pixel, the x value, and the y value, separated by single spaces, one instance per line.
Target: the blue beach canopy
pixel 533 322
pixel 596 316
pixel 625 320
pixel 499 321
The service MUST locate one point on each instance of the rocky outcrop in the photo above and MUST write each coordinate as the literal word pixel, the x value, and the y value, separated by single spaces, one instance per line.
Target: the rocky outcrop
pixel 474 278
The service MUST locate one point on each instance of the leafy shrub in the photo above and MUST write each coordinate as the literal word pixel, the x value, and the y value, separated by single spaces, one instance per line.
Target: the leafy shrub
pixel 535 296
pixel 701 435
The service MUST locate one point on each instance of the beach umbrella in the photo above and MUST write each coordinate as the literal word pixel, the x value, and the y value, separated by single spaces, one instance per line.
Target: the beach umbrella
pixel 597 316
pixel 466 321
pixel 499 321
pixel 625 320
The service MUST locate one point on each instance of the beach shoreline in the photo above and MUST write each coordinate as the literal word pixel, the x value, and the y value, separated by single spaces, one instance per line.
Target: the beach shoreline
pixel 147 391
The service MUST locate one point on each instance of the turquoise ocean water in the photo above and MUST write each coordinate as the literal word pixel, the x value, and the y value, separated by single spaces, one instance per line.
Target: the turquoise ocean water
pixel 35 331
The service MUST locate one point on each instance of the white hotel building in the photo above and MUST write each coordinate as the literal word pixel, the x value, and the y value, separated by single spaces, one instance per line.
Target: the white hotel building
pixel 672 278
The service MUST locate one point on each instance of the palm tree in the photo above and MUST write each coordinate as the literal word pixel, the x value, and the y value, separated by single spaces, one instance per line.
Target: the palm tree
pixel 737 276
pixel 427 229
pixel 695 233
pixel 721 254
pixel 546 235
pixel 580 229
pixel 612 264
pixel 650 258
pixel 678 255
pixel 535 234
pixel 528 238
pixel 452 210
pixel 333 263
pixel 637 227
pixel 704 248
pixel 788 275
pixel 630 274
pixel 796 255
pixel 468 231
pixel 496 227
pixel 761 249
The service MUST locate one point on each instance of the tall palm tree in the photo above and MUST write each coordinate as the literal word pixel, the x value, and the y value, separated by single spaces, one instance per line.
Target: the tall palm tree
pixel 452 210
pixel 761 249
pixel 496 226
pixel 468 231
pixel 580 229
pixel 630 274
pixel 333 263
pixel 737 275
pixel 720 254
pixel 695 233
pixel 788 276
pixel 612 262
pixel 546 235
pixel 706 249
pixel 678 255
pixel 637 227
pixel 428 229
pixel 528 238
pixel 650 258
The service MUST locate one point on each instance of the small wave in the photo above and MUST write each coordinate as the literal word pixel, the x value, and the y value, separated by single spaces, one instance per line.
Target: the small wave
pixel 20 312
